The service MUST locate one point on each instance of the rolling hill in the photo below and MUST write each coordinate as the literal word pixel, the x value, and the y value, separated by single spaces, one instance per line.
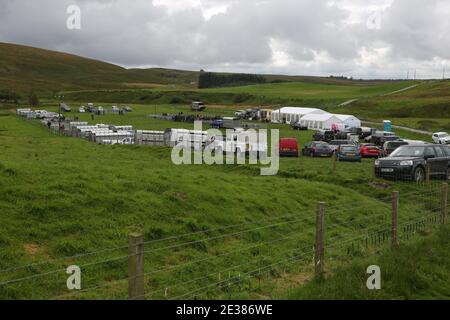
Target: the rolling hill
pixel 24 69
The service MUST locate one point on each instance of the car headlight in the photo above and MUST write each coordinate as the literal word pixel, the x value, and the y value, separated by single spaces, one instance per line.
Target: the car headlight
pixel 406 163
pixel 377 162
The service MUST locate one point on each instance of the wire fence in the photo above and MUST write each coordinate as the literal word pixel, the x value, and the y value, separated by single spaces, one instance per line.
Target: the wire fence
pixel 240 260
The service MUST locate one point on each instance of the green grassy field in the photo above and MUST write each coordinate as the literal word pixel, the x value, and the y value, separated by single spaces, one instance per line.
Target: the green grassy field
pixel 418 270
pixel 63 196
pixel 68 201
pixel 426 107
pixel 320 95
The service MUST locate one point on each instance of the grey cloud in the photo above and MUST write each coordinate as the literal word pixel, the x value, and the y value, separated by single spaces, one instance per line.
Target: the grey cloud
pixel 139 33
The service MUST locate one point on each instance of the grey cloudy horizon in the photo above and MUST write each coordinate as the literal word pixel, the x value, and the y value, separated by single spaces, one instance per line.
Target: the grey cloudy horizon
pixel 357 38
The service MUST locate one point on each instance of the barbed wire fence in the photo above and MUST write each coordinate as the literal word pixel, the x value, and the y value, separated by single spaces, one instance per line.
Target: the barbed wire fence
pixel 242 259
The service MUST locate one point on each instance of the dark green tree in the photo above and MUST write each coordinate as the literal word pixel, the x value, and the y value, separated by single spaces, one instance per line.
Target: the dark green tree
pixel 33 99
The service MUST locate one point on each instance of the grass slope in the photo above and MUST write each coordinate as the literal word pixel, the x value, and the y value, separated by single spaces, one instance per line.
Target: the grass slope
pixel 63 196
pixel 425 107
pixel 418 270
pixel 305 94
pixel 24 68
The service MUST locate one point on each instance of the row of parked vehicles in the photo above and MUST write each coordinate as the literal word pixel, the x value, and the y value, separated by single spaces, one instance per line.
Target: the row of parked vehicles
pixel 397 158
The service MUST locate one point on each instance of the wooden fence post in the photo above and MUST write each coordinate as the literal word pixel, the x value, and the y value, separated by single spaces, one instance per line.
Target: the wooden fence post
pixel 444 197
pixel 394 218
pixel 319 245
pixel 427 173
pixel 136 266
pixel 334 163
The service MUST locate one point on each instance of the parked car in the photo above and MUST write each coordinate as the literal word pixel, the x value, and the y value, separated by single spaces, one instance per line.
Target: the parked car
pixel 341 135
pixel 198 106
pixel 380 137
pixel 441 138
pixel 64 107
pixel 323 135
pixel 362 132
pixel 299 126
pixel 409 162
pixel 240 114
pixel 288 147
pixel 391 146
pixel 217 124
pixel 368 150
pixel 334 144
pixel 348 152
pixel 317 149
pixel 128 109
pixel 81 109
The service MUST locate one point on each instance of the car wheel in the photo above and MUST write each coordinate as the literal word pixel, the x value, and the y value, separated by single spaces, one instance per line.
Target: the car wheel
pixel 419 175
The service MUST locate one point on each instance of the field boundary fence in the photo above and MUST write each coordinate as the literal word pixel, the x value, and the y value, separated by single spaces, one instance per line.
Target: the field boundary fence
pixel 246 258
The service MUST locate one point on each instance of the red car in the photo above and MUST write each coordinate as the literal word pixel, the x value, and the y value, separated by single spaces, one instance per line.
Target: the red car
pixel 369 151
pixel 288 147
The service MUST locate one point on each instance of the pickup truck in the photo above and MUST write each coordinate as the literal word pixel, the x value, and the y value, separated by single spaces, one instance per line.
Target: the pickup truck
pixel 410 162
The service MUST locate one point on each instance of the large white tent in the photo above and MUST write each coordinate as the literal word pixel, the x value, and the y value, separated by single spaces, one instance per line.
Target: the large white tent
pixel 321 121
pixel 349 120
pixel 293 114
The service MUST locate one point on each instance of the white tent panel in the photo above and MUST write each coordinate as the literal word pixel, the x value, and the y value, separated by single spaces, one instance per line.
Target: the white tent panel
pixel 321 121
pixel 293 114
pixel 349 120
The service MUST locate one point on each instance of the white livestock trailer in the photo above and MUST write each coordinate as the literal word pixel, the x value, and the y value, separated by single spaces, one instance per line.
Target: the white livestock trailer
pixel 150 138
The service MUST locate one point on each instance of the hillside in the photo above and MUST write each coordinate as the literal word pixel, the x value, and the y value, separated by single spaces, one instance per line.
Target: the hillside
pixel 23 69
pixel 425 107
pixel 418 270
pixel 306 94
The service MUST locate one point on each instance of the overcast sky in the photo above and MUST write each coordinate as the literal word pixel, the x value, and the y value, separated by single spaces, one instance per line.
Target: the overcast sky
pixel 359 38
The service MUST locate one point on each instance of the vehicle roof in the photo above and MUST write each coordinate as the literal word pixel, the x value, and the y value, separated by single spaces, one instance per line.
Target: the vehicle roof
pixel 424 145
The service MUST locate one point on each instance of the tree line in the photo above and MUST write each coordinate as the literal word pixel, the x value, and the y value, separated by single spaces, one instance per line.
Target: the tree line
pixel 214 80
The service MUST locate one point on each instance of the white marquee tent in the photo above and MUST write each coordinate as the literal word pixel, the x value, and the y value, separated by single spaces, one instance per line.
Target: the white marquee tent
pixel 293 114
pixel 349 120
pixel 321 121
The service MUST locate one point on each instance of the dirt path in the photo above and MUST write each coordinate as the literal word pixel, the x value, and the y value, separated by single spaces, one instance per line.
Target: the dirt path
pixel 381 95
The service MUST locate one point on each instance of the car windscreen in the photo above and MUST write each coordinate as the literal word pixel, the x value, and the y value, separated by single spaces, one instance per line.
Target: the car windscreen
pixel 408 152
pixel 321 146
pixel 349 149
pixel 338 142
pixel 394 145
